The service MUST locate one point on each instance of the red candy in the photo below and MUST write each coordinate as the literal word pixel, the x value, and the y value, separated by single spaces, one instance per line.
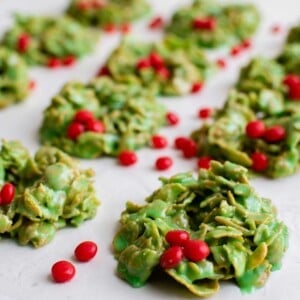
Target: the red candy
pixel 54 63
pixel 189 149
pixel 85 251
pixel 127 158
pixel 125 28
pixel 274 134
pixel 221 63
pixel 255 129
pixel 205 113
pixel 23 42
pixel 204 23
pixel 32 85
pixel 74 130
pixel 159 142
pixel 196 87
pixel 83 116
pixel 259 162
pixel 172 118
pixel 171 257
pixel 7 194
pixel 180 142
pixel 246 44
pixel 236 50
pixel 163 163
pixel 156 60
pixel 156 23
pixel 196 250
pixel 204 162
pixel 104 71
pixel 163 72
pixel 110 28
pixel 143 63
pixel 63 271
pixel 177 237
pixel 95 126
pixel 69 60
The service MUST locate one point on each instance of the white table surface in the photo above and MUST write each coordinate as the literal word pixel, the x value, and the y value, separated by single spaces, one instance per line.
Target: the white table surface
pixel 24 271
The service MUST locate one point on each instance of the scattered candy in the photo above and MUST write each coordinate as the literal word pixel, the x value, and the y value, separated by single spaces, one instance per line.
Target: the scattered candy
pixel 172 118
pixel 204 162
pixel 221 62
pixel 7 194
pixel 274 134
pixel 196 250
pixel 259 161
pixel 177 237
pixel 156 23
pixel 255 129
pixel 196 87
pixel 63 271
pixel 85 251
pixel 159 142
pixel 189 149
pixel 127 158
pixel 205 113
pixel 204 23
pixel 54 63
pixel 163 163
pixel 171 257
pixel 69 60
pixel 180 142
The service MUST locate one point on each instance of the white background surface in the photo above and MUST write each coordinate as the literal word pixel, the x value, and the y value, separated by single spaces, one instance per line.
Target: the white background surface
pixel 24 271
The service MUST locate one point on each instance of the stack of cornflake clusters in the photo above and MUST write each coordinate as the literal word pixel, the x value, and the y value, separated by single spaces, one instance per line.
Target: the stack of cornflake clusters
pixel 49 41
pixel 42 194
pixel 163 68
pixel 107 12
pixel 101 118
pixel 259 126
pixel 210 24
pixel 201 231
pixel 14 78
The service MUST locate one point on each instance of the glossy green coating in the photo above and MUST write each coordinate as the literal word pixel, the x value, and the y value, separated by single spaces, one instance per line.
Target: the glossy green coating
pixel 130 116
pixel 234 23
pixel 51 192
pixel 14 79
pixel 219 206
pixel 110 12
pixel 50 38
pixel 186 66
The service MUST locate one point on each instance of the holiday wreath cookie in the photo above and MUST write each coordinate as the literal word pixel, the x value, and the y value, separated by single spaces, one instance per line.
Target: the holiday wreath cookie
pixel 202 231
pixel 107 12
pixel 101 118
pixel 14 79
pixel 164 67
pixel 209 24
pixel 41 194
pixel 49 41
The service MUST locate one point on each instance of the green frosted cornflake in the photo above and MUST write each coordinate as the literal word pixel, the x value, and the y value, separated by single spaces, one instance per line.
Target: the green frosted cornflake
pixel 49 37
pixel 14 80
pixel 107 12
pixel 175 74
pixel 51 192
pixel 221 24
pixel 245 238
pixel 130 116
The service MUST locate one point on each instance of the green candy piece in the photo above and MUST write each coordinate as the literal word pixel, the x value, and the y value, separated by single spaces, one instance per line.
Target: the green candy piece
pixel 245 238
pixel 184 66
pixel 14 80
pixel 50 38
pixel 107 12
pixel 51 192
pixel 231 24
pixel 130 116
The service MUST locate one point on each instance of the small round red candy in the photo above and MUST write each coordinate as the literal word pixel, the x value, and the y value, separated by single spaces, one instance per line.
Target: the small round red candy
pixel 104 71
pixel 274 134
pixel 63 271
pixel 291 79
pixel 85 251
pixel 110 28
pixel 255 129
pixel 171 257
pixel 221 62
pixel 172 118
pixel 7 193
pixel 196 250
pixel 204 162
pixel 156 60
pixel 23 42
pixel 32 84
pixel 196 87
pixel 163 73
pixel 246 44
pixel 180 142
pixel 127 158
pixel 156 23
pixel 125 28
pixel 74 130
pixel 84 5
pixel 159 142
pixel 69 60
pixel 236 50
pixel 294 92
pixel 177 237
pixel 83 116
pixel 276 28
pixel 143 63
pixel 54 63
pixel 204 23
pixel 190 149
pixel 205 113
pixel 163 163
pixel 95 126
pixel 259 161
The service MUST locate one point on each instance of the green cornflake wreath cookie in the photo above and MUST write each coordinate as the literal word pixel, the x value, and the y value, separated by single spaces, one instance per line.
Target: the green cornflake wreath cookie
pixel 164 68
pixel 42 194
pixel 14 79
pixel 258 127
pixel 107 12
pixel 101 118
pixel 239 233
pixel 40 40
pixel 209 24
